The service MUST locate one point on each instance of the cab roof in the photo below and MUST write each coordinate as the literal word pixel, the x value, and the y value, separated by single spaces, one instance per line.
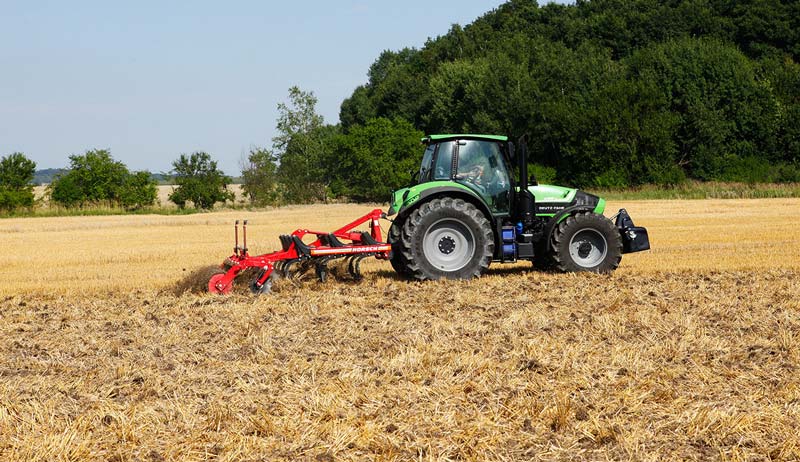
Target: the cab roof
pixel 431 138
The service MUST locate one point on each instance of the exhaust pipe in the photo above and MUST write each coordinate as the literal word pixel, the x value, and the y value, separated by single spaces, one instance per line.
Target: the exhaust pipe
pixel 526 203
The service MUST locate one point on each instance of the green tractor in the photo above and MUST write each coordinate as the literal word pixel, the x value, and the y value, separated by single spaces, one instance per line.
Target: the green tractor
pixel 466 210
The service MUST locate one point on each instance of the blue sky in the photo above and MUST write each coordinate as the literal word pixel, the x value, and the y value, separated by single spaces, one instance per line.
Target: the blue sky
pixel 153 79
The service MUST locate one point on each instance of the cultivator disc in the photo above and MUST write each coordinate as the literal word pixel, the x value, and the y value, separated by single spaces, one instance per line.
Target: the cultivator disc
pixel 216 285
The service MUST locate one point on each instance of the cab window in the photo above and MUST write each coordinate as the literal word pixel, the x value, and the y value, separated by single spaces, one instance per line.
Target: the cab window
pixel 482 168
pixel 444 161
pixel 425 165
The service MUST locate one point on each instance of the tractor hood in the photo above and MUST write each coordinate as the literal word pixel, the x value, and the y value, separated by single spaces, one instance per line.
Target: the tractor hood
pixel 550 193
pixel 553 199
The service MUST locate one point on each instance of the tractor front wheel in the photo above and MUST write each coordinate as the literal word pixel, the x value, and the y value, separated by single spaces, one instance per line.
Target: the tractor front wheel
pixel 586 242
pixel 446 238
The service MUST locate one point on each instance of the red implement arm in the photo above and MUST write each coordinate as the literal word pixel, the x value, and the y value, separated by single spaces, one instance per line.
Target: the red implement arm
pixel 326 247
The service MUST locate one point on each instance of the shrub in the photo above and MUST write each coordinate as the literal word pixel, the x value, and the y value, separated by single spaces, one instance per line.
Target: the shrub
pixel 16 175
pixel 96 177
pixel 137 191
pixel 199 181
pixel 260 178
pixel 543 174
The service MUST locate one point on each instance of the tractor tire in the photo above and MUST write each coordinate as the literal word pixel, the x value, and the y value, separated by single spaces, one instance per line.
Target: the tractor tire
pixel 396 259
pixel 446 238
pixel 586 242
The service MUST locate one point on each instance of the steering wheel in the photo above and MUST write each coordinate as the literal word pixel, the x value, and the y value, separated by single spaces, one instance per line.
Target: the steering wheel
pixel 495 182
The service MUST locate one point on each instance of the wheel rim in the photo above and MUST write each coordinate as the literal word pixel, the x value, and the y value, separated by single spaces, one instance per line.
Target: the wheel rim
pixel 588 248
pixel 449 245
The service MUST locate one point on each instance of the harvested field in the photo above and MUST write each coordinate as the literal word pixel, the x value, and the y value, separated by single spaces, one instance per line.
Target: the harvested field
pixel 687 352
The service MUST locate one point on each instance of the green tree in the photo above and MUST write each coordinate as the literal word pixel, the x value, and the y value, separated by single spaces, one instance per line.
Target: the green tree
pixel 261 178
pixel 303 146
pixel 356 109
pixel 95 177
pixel 611 92
pixel 783 77
pixel 16 176
pixel 375 159
pixel 199 181
pixel 725 114
pixel 457 91
pixel 137 191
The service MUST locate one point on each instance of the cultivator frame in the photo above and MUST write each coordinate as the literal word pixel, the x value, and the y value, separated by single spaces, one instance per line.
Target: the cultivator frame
pixel 298 256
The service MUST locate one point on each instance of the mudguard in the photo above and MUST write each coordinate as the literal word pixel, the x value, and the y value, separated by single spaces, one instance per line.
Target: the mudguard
pixel 407 204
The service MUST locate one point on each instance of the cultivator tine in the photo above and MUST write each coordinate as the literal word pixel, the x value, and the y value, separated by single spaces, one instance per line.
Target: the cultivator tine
pixel 304 266
pixel 348 263
pixel 354 267
pixel 321 269
pixel 287 268
pixel 293 268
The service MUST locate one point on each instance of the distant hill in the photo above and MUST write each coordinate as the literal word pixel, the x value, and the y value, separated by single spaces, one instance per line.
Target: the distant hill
pixel 46 175
pixel 162 178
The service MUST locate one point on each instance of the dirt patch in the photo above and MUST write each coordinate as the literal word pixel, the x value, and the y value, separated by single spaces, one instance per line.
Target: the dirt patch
pixel 195 282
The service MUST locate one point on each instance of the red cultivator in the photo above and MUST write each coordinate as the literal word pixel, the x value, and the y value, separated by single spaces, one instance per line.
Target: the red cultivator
pixel 297 255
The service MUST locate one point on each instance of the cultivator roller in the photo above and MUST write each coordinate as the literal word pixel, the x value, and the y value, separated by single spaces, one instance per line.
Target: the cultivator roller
pixel 297 256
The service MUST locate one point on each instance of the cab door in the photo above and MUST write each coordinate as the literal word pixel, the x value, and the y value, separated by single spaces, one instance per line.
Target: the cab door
pixel 480 165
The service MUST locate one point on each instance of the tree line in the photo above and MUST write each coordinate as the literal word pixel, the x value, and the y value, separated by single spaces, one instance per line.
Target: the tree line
pixel 311 161
pixel 610 93
pixel 95 178
pixel 308 161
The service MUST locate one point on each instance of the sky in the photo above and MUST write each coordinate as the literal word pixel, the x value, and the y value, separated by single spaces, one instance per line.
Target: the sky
pixel 151 80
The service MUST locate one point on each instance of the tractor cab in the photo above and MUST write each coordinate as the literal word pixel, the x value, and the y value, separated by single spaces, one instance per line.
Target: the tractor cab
pixel 478 162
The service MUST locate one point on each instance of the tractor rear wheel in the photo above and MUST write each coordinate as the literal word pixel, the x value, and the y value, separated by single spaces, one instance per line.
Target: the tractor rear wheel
pixel 446 238
pixel 586 242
